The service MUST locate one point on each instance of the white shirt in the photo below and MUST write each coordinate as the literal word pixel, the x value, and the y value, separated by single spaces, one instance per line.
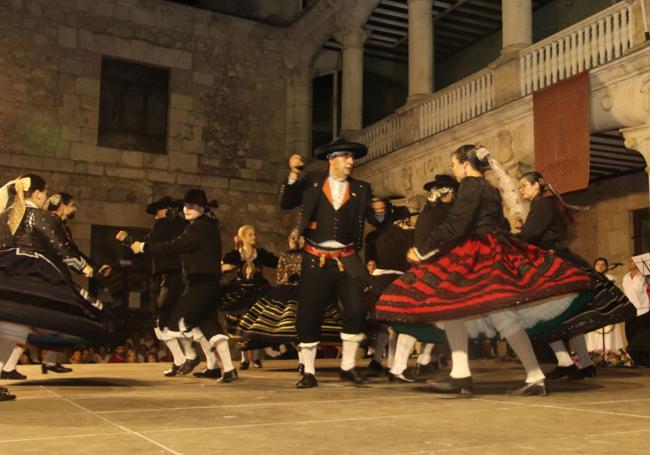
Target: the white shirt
pixel 337 189
pixel 635 289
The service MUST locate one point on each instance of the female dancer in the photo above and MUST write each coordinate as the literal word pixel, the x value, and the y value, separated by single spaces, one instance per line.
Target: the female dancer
pixel 36 292
pixel 545 227
pixel 607 345
pixel 477 268
pixel 249 284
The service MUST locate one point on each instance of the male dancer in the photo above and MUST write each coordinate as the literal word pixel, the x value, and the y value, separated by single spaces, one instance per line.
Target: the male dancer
pixel 333 207
pixel 200 248
pixel 166 269
pixel 442 192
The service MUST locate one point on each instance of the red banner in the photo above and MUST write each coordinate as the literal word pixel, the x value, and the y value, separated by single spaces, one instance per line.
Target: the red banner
pixel 561 121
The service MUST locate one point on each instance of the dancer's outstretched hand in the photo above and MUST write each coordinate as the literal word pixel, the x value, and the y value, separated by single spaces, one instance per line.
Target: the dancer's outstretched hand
pixel 88 271
pixel 137 247
pixel 105 270
pixel 412 257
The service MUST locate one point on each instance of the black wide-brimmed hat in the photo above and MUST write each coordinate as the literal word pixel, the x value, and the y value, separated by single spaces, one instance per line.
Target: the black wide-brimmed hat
pixel 196 196
pixel 341 145
pixel 164 202
pixel 441 181
pixel 401 212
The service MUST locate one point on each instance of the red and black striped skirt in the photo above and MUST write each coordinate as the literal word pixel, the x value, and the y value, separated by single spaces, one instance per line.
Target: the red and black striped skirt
pixel 481 275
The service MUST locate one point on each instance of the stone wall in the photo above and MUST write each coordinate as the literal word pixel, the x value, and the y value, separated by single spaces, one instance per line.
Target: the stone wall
pixel 226 123
pixel 607 228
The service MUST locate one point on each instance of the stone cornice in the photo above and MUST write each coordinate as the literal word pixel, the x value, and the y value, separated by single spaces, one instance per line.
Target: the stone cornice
pixel 621 69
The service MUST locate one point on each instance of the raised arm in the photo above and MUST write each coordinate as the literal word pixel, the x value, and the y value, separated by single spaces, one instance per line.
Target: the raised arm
pixel 291 191
pixel 458 222
pixel 185 243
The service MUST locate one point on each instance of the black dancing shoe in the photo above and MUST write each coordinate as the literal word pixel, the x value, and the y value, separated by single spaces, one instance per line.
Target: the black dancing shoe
pixel 214 373
pixel 173 371
pixel 257 364
pixel 244 365
pixel 58 368
pixel 426 370
pixel 537 388
pixel 561 372
pixel 188 366
pixel 307 381
pixel 5 395
pixel 301 368
pixel 375 368
pixel 461 386
pixel 581 373
pixel 228 377
pixel 401 377
pixel 353 376
pixel 13 374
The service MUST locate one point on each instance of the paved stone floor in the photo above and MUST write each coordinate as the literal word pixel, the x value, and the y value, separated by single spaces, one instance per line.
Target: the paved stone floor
pixel 132 408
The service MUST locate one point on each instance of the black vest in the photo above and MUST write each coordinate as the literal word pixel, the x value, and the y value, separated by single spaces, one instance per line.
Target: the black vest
pixel 332 224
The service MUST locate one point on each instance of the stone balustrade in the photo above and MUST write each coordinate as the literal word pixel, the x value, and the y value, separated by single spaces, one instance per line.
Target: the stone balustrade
pixel 594 41
pixel 451 106
pixel 457 103
pixel 381 137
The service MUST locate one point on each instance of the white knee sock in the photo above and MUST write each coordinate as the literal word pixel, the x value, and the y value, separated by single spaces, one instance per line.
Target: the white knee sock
pixel 223 349
pixel 7 346
pixel 210 357
pixel 392 348
pixel 563 357
pixel 425 354
pixel 309 356
pixel 458 341
pixel 405 344
pixel 579 344
pixel 12 361
pixel 243 356
pixel 380 345
pixel 188 349
pixel 177 353
pixel 520 343
pixel 349 355
pixel 300 355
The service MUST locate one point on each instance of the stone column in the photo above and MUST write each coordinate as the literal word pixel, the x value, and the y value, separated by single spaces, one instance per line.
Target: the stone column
pixel 420 49
pixel 299 111
pixel 517 24
pixel 352 85
pixel 638 138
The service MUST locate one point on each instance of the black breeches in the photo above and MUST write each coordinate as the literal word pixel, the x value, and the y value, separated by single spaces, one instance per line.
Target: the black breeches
pixel 171 290
pixel 320 286
pixel 199 305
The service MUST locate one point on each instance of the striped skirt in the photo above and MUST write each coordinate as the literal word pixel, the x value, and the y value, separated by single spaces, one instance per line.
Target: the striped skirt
pixel 272 319
pixel 480 276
